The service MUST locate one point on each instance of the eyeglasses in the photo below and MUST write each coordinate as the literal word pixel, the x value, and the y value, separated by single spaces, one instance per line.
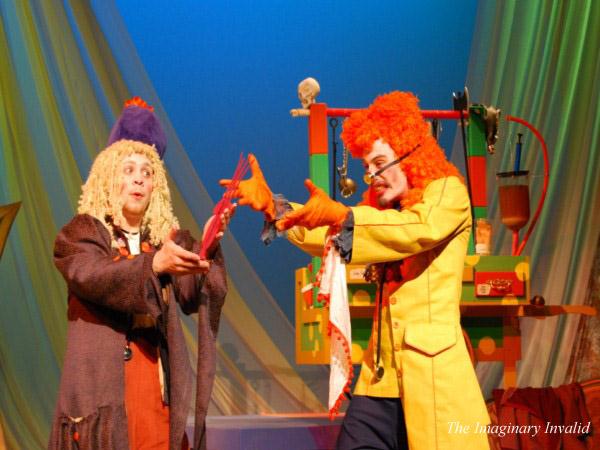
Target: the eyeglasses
pixel 369 177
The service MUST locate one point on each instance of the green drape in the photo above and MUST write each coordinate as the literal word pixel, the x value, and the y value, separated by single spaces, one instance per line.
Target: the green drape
pixel 66 68
pixel 539 60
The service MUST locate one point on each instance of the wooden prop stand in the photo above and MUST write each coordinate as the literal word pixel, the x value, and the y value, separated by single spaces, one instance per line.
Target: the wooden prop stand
pixel 491 321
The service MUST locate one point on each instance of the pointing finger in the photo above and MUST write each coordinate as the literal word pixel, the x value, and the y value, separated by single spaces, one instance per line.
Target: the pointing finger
pixel 312 189
pixel 254 167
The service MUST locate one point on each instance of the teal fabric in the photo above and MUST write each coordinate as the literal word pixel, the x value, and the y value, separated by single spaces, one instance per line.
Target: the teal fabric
pixel 539 61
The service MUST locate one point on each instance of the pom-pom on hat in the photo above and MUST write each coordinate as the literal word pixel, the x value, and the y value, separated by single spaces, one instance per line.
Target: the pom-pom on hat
pixel 394 117
pixel 139 123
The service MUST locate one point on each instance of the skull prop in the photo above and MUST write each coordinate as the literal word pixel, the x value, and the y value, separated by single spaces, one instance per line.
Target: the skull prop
pixel 308 89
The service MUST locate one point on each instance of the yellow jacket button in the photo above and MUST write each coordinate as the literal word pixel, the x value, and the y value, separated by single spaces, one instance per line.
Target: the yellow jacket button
pixel 392 300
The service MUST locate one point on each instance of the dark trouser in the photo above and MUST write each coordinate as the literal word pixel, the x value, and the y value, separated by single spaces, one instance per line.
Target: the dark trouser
pixel 373 423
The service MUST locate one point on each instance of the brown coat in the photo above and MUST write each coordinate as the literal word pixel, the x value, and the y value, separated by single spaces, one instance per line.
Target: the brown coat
pixel 105 289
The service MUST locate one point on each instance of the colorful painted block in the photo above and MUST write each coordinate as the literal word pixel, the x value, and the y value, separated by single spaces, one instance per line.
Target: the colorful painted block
pixel 504 278
pixel 476 135
pixel 477 179
pixel 312 341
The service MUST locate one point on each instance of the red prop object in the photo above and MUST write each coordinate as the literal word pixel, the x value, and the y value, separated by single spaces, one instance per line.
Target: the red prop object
pixel 478 180
pixel 224 203
pixel 427 114
pixel 498 284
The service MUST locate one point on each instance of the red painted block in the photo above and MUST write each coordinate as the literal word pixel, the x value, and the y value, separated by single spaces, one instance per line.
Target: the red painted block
pixel 317 129
pixel 478 180
pixel 498 284
pixel 307 295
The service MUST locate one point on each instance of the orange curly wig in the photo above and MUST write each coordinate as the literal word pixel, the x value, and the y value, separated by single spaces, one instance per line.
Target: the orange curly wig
pixel 396 118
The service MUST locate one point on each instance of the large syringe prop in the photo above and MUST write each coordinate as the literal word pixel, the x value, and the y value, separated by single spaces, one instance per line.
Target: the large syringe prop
pixel 518 248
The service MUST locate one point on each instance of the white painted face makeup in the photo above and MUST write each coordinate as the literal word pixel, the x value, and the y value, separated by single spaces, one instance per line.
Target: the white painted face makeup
pixel 389 184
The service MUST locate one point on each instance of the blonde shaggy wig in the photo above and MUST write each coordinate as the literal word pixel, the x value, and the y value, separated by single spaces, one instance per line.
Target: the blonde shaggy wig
pixel 100 196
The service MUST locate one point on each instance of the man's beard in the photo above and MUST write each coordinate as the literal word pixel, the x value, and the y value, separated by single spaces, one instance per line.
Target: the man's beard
pixel 383 202
pixel 389 204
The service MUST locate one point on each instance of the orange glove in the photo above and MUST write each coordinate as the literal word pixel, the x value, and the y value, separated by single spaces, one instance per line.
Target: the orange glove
pixel 318 211
pixel 254 191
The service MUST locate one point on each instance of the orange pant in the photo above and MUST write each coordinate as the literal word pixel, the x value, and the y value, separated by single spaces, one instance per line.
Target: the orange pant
pixel 147 416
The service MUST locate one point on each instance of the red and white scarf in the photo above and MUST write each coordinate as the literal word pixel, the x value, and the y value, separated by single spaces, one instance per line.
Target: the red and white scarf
pixel 333 289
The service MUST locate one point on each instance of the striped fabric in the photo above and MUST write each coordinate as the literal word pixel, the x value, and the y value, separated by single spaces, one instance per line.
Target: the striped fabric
pixel 539 61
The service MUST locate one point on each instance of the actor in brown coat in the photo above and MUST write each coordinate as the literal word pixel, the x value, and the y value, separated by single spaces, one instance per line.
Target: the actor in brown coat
pixel 127 266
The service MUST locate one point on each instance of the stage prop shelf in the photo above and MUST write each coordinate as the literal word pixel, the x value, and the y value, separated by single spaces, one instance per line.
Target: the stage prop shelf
pixel 496 288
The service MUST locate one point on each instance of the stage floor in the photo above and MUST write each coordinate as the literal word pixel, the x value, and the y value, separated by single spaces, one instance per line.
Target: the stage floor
pixel 272 432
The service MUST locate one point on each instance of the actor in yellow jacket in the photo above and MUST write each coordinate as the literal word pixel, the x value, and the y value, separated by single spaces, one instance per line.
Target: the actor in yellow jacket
pixel 417 387
pixel 423 353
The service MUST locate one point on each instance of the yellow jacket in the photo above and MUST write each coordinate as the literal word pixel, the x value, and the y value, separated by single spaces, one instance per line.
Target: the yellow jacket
pixel 422 348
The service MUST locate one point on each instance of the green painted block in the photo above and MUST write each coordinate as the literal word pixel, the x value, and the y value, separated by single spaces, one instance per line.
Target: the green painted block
pixel 479 327
pixel 480 212
pixel 311 337
pixel 361 332
pixel 468 292
pixel 499 263
pixel 471 245
pixel 318 169
pixel 476 136
pixel 359 290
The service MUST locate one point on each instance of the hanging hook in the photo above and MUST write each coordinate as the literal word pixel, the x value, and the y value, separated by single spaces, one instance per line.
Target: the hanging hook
pixel 347 185
pixel 333 123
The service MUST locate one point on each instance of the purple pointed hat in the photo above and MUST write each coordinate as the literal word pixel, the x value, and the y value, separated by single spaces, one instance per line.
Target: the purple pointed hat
pixel 138 123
